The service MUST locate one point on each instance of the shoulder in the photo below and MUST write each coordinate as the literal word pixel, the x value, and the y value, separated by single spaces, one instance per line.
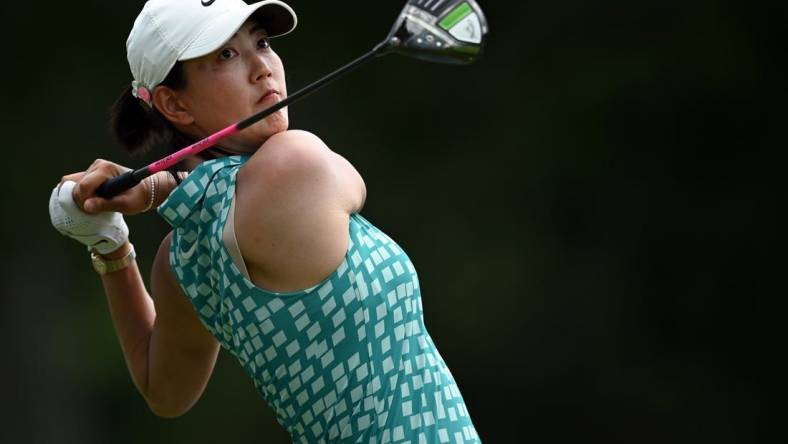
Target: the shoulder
pixel 161 271
pixel 287 167
pixel 287 153
pixel 296 162
pixel 170 300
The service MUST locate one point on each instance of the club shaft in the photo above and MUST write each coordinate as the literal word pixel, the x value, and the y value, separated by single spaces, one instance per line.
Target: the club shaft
pixel 119 184
pixel 305 91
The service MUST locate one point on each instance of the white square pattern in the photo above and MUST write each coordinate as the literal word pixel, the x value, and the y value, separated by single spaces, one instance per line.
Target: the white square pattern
pixel 347 359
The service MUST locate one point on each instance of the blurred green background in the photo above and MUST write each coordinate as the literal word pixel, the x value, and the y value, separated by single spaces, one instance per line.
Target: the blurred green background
pixel 592 210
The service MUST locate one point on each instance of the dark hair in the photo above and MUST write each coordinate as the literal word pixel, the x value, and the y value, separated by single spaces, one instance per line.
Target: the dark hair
pixel 139 128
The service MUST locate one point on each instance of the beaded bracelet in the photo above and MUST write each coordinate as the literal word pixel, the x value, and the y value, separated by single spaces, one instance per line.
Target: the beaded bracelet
pixel 152 194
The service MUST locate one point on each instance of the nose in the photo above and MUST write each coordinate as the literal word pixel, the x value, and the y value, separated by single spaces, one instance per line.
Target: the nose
pixel 260 68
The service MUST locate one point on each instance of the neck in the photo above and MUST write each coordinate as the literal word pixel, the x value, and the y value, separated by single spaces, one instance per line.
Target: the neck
pixel 183 140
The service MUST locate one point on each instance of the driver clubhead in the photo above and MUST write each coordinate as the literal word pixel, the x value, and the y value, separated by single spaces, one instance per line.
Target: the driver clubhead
pixel 442 31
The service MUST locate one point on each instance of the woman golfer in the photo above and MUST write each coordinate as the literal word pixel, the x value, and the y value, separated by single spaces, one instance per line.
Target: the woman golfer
pixel 268 256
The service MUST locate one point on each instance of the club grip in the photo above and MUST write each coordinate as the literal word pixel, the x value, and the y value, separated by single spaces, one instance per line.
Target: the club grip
pixel 117 185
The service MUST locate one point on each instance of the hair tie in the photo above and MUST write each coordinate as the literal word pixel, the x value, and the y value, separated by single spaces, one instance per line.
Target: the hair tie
pixel 141 93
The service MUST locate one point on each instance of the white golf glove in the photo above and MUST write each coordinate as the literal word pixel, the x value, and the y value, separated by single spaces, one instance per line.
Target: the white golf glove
pixel 104 232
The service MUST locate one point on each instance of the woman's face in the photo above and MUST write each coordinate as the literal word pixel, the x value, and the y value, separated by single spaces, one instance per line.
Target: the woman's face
pixel 242 77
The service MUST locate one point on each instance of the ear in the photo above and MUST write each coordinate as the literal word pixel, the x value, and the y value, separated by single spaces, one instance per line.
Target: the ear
pixel 169 104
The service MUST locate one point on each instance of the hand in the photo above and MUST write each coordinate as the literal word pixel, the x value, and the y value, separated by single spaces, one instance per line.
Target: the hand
pixel 104 232
pixel 133 201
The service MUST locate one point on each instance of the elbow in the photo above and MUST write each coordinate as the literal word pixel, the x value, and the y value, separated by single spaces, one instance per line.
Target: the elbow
pixel 167 411
pixel 169 405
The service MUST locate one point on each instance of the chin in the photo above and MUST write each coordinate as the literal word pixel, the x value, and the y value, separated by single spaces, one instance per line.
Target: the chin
pixel 273 126
pixel 258 133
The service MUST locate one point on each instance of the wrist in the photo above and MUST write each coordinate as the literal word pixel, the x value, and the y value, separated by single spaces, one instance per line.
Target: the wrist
pixel 104 265
pixel 165 184
pixel 117 254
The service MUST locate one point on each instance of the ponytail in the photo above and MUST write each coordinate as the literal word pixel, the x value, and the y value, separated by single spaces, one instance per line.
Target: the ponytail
pixel 139 128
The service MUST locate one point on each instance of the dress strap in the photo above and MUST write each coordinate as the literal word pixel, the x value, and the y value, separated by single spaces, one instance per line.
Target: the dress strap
pixel 231 241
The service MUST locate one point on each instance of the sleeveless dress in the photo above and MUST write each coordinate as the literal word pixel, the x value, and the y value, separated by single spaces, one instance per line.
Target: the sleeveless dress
pixel 348 360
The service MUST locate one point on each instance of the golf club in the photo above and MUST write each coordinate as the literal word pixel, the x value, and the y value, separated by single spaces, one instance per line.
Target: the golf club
pixel 441 31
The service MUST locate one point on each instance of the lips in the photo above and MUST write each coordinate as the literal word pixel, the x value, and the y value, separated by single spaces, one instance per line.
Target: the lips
pixel 269 95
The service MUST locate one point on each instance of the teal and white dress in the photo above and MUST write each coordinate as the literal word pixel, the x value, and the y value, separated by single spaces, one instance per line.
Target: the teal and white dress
pixel 348 360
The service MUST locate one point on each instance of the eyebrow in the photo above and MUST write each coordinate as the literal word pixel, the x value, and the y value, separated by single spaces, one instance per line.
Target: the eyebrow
pixel 254 29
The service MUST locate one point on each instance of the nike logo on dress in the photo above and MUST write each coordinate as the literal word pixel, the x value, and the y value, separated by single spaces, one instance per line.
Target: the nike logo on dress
pixel 188 254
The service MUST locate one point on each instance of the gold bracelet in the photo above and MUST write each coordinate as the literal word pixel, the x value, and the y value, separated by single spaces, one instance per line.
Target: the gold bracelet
pixel 104 266
pixel 152 194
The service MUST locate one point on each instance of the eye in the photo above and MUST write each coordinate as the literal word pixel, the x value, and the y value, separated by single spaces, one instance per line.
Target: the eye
pixel 227 54
pixel 263 43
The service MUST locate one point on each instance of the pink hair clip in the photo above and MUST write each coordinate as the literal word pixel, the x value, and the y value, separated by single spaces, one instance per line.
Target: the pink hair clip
pixel 140 92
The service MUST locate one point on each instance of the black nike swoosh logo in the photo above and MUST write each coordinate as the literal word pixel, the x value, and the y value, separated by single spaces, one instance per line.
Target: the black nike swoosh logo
pixel 207 3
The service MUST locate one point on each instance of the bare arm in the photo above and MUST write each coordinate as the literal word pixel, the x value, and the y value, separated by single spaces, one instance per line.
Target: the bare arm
pixel 169 353
pixel 294 198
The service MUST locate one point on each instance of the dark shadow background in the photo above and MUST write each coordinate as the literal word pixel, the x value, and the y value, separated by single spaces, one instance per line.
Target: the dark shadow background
pixel 592 209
